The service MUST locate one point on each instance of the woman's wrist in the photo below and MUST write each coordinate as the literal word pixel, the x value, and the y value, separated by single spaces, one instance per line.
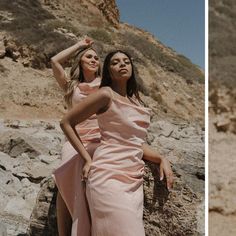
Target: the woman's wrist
pixel 79 45
pixel 162 158
pixel 89 161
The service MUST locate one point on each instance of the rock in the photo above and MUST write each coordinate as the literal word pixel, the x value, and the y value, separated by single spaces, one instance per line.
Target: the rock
pixel 109 10
pixel 233 124
pixel 3 229
pixel 18 207
pixel 222 123
pixel 11 49
pixel 49 126
pixel 71 35
pixel 162 128
pixel 6 162
pixel 63 30
pixel 190 98
pixel 214 97
pixel 38 172
pixel 26 62
pixel 25 182
pixel 21 173
pixel 43 218
pixel 157 96
pixel 166 86
pixel 2 49
pixel 162 208
pixel 47 159
pixel 9 188
pixel 2 53
pixel 15 55
pixel 15 144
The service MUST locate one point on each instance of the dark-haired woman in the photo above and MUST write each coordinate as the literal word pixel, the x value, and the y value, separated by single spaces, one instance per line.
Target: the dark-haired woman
pixel 84 79
pixel 114 174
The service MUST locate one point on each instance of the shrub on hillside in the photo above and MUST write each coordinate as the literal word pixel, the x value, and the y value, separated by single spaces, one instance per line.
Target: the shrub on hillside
pixel 178 64
pixel 100 35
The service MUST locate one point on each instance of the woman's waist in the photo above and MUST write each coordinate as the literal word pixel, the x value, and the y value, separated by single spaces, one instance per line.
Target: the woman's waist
pixel 87 129
pixel 88 124
pixel 114 155
pixel 133 166
pixel 127 142
pixel 106 172
pixel 87 138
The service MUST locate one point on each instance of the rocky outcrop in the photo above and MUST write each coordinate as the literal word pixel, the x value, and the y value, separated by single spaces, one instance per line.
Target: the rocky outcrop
pixel 183 146
pixel 222 108
pixel 109 9
pixel 43 219
pixel 28 153
pixel 31 149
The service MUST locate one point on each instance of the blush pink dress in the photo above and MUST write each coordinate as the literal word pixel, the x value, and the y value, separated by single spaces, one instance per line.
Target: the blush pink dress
pixel 115 182
pixel 68 175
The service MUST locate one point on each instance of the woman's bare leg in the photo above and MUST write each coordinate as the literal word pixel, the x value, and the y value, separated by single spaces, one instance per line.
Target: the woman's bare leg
pixel 64 222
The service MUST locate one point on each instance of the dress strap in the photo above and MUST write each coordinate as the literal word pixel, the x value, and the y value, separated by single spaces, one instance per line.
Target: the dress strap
pixel 134 101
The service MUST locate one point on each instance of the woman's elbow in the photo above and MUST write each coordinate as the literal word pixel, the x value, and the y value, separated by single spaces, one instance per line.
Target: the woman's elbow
pixel 63 123
pixel 53 61
pixel 66 123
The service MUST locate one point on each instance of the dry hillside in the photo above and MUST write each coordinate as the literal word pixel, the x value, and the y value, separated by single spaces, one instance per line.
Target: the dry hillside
pixel 33 31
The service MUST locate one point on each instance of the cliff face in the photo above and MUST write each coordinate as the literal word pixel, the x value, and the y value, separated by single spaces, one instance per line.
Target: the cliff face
pixel 102 10
pixel 30 33
pixel 109 10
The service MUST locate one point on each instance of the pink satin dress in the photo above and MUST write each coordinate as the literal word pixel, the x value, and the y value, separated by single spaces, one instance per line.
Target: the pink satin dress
pixel 68 175
pixel 115 182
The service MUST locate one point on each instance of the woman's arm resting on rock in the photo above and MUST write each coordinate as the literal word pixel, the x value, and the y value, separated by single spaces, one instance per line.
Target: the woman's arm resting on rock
pixel 165 169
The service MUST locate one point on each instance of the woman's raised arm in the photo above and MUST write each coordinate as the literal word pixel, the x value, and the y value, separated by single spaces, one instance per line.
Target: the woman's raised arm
pixel 63 56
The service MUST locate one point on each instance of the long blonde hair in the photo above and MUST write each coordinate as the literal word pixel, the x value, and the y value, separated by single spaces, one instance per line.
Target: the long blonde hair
pixel 77 75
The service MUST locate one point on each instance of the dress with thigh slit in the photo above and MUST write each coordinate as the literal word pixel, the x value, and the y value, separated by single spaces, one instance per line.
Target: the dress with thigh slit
pixel 68 175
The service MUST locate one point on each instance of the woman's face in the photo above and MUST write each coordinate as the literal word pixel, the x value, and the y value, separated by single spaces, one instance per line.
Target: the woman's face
pixel 120 67
pixel 90 61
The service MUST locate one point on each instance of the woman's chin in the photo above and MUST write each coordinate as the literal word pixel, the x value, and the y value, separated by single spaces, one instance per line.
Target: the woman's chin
pixel 92 70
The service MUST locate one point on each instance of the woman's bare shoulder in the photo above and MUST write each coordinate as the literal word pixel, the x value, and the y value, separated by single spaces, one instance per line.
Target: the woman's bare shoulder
pixel 106 92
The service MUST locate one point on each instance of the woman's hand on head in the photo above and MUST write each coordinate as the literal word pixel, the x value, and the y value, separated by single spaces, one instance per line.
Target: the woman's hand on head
pixel 165 170
pixel 86 42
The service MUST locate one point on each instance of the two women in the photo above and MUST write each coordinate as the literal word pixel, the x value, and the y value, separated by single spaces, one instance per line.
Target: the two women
pixel 114 173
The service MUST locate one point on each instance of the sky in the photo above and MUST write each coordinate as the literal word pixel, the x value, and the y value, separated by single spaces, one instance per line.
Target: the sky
pixel 179 24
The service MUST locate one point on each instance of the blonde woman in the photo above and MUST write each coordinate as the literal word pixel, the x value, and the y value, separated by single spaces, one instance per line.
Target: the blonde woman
pixel 83 80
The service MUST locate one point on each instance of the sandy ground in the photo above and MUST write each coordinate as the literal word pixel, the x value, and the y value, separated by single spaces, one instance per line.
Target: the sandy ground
pixel 222 183
pixel 220 225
